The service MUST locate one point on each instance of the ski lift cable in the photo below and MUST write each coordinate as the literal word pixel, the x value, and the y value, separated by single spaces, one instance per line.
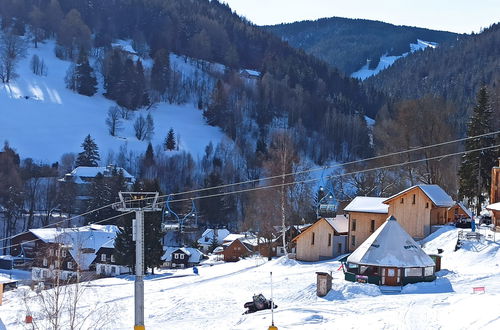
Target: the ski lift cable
pixel 289 174
pixel 333 176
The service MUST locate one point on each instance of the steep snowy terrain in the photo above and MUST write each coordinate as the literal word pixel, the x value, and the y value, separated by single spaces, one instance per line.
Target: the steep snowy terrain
pixel 177 299
pixel 42 119
pixel 386 61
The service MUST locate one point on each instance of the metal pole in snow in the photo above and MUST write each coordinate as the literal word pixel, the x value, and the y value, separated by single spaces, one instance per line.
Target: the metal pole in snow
pixel 272 301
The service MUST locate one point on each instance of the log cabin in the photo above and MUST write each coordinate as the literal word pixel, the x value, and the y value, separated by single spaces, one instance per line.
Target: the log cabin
pixel 420 207
pixel 235 250
pixel 365 215
pixel 325 239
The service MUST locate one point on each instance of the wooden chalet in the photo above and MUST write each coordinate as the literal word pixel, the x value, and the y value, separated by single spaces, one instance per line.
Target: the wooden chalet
pixel 365 215
pixel 389 257
pixel 458 212
pixel 64 253
pixel 181 257
pixel 420 207
pixel 235 250
pixel 325 239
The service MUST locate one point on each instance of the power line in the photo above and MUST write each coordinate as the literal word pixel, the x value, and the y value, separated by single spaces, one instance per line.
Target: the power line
pixel 332 176
pixel 332 166
pixel 281 175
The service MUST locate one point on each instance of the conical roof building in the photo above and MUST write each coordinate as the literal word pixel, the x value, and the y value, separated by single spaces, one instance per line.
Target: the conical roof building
pixel 390 257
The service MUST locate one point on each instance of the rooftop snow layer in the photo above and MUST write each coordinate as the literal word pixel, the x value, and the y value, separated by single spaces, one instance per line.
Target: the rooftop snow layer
pixel 195 255
pixel 494 207
pixel 390 246
pixel 209 233
pixel 87 237
pixel 340 223
pixel 367 205
pixel 435 193
pixel 91 172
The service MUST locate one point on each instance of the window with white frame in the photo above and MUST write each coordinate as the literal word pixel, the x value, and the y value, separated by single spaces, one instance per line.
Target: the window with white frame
pixel 103 257
pixel 112 258
pixel 429 271
pixel 64 253
pixel 51 252
pixel 45 262
pixel 181 256
pixel 57 264
pixel 413 272
pixel 70 265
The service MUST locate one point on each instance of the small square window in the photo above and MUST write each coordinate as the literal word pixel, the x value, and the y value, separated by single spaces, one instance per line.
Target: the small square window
pixel 70 265
pixel 103 257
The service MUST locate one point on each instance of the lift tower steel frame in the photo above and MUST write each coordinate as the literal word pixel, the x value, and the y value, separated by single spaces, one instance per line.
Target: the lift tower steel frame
pixel 138 202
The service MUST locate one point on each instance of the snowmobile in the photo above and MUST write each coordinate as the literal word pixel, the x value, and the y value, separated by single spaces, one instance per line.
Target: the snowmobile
pixel 259 303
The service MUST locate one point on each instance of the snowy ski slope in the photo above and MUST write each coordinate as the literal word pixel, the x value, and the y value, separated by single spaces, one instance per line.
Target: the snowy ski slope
pixel 177 299
pixel 42 119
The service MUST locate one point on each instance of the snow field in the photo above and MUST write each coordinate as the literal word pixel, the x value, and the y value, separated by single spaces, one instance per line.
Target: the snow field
pixel 54 120
pixel 177 299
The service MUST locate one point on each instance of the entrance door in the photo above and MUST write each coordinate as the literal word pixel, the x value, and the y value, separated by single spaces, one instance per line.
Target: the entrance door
pixel 391 276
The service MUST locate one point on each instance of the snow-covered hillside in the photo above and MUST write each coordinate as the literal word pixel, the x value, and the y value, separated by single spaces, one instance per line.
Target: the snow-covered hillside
pixel 42 119
pixel 177 299
pixel 386 61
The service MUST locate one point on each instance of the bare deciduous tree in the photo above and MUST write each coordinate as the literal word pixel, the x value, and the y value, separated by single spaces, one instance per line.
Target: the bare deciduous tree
pixel 140 127
pixel 113 120
pixel 12 49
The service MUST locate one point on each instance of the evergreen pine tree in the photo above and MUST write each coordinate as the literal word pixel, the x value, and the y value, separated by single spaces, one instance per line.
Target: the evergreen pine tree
pixel 99 196
pixel 150 127
pixel 475 169
pixel 124 245
pixel 160 73
pixel 216 110
pixel 141 97
pixel 85 80
pixel 170 140
pixel 90 154
pixel 113 74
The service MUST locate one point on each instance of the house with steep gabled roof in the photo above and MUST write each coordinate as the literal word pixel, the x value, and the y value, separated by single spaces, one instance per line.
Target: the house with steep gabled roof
pixel 391 257
pixel 420 207
pixel 365 215
pixel 324 239
pixel 209 235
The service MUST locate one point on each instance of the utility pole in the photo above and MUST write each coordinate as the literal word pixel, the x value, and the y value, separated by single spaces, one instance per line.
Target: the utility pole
pixel 139 202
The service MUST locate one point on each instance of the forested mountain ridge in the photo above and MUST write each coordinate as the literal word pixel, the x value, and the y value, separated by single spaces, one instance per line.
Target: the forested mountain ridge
pixel 452 71
pixel 348 43
pixel 292 85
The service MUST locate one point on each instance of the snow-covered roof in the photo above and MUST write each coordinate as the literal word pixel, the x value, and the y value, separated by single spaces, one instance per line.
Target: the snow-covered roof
pixel 465 209
pixel 209 233
pixel 91 172
pixel 232 237
pixel 340 223
pixel 390 246
pixel 367 205
pixel 251 72
pixel 87 237
pixel 435 193
pixel 195 255
pixel 493 207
